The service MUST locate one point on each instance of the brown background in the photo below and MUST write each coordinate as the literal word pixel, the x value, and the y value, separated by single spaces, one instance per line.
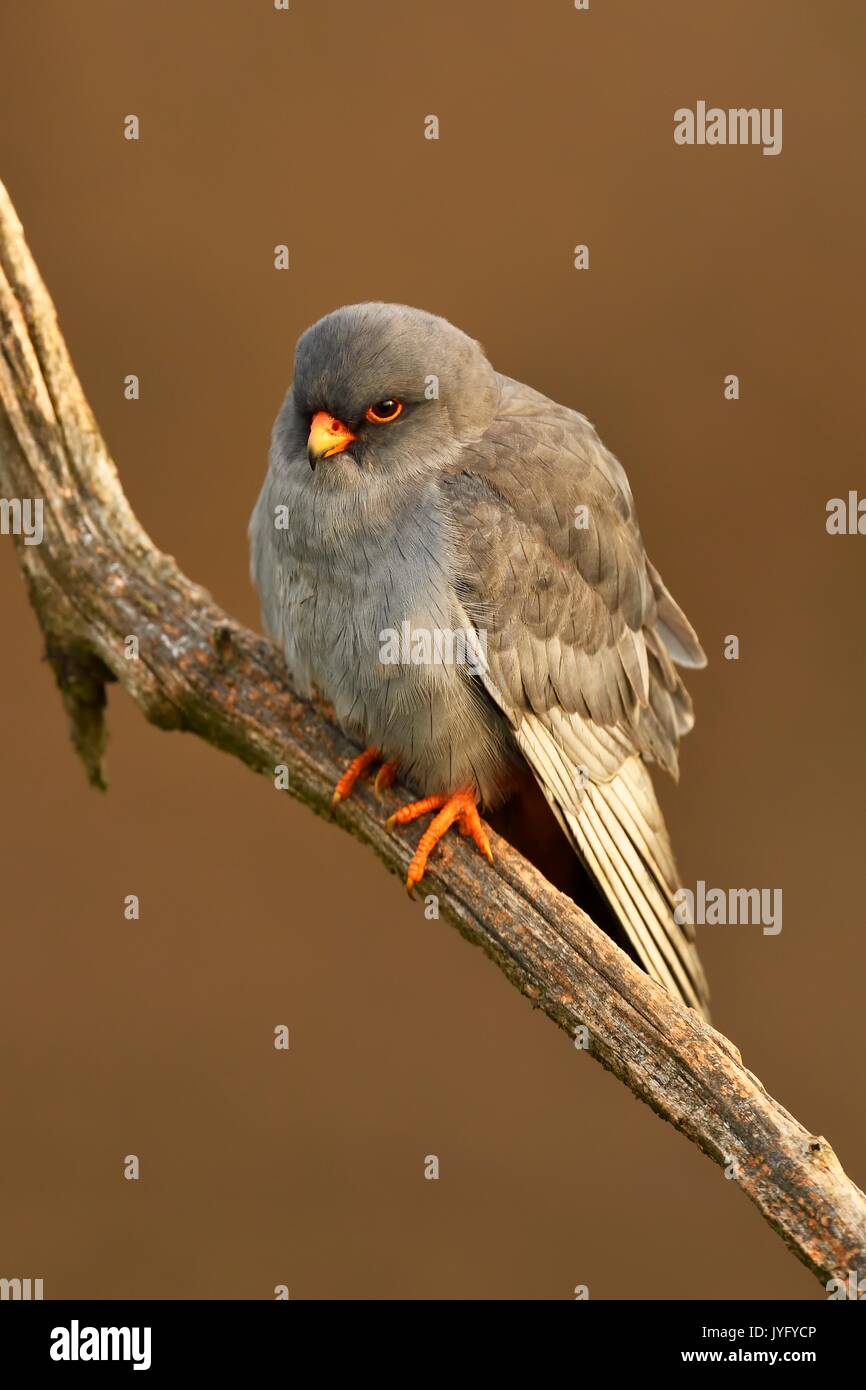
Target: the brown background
pixel 156 1038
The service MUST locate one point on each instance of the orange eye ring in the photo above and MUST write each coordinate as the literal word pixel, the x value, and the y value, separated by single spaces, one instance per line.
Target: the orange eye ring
pixel 383 412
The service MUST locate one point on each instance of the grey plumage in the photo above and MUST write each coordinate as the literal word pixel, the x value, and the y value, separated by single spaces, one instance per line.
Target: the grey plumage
pixel 461 512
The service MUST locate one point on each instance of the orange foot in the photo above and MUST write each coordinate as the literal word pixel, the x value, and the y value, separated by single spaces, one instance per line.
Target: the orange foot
pixel 458 806
pixel 384 777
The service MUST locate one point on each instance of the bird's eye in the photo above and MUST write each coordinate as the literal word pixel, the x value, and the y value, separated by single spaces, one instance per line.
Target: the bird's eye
pixel 383 412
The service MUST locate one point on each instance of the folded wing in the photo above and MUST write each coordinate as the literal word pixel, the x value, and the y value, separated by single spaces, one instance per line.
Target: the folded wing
pixel 582 640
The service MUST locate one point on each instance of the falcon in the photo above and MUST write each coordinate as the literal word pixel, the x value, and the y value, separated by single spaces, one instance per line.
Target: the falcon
pixel 412 489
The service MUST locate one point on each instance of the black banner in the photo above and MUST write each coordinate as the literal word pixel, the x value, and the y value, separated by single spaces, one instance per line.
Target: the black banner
pixel 155 1338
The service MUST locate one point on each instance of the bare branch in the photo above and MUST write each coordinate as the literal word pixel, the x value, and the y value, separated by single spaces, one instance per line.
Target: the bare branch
pixel 96 580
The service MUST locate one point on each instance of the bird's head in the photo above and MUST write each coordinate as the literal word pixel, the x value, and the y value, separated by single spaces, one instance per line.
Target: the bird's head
pixel 384 392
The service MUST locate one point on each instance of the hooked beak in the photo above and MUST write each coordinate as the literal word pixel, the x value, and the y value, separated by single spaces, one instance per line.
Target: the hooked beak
pixel 327 436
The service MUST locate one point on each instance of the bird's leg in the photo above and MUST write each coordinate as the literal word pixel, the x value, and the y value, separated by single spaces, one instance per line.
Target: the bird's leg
pixel 384 777
pixel 456 806
pixel 357 767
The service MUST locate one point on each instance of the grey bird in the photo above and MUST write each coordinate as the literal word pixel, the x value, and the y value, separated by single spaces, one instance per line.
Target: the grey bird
pixel 413 491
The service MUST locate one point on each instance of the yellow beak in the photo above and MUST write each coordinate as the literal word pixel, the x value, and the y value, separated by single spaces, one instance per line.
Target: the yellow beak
pixel 327 436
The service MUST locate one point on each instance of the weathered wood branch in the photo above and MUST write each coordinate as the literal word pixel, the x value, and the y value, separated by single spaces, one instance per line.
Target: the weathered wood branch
pixel 96 579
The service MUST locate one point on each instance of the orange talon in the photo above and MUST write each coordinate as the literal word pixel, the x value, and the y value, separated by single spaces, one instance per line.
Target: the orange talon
pixel 471 824
pixel 356 769
pixel 460 807
pixel 416 809
pixel 384 778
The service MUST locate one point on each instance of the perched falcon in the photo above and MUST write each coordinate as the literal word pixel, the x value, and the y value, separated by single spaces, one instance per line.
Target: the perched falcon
pixel 454 562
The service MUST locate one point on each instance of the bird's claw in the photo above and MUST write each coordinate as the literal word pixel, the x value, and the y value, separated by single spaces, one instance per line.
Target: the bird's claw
pixel 457 806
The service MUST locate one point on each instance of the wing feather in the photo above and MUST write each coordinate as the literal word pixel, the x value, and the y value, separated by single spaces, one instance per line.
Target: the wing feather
pixel 583 640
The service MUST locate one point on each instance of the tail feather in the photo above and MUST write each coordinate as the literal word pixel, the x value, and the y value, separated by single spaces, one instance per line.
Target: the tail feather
pixel 616 827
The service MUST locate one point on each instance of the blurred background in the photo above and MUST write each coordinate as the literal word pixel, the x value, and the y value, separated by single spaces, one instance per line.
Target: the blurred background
pixel 155 1038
